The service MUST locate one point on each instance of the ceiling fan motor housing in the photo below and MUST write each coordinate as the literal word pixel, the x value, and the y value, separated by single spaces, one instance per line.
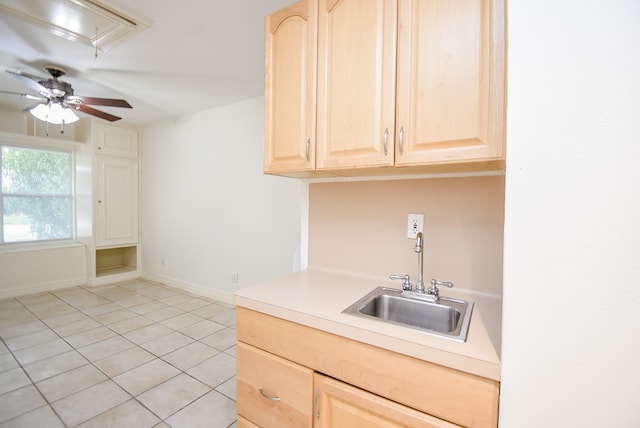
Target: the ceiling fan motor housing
pixel 58 88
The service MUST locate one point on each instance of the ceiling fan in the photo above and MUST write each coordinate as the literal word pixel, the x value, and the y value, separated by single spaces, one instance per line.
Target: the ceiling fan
pixel 53 92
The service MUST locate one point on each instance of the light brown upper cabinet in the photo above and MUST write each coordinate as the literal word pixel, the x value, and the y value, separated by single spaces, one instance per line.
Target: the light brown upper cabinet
pixel 403 86
pixel 450 104
pixel 356 83
pixel 290 64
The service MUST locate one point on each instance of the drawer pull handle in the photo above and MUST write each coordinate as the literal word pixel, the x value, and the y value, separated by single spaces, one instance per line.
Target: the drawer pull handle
pixel 267 396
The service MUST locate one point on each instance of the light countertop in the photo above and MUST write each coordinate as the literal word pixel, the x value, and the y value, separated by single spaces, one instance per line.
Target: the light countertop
pixel 316 298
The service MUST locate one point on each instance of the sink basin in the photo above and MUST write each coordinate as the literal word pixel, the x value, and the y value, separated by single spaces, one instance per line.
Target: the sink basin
pixel 446 317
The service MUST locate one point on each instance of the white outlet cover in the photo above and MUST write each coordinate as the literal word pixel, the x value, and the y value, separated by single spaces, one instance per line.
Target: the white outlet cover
pixel 415 224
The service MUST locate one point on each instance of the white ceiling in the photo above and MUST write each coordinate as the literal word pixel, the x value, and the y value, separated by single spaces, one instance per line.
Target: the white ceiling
pixel 195 55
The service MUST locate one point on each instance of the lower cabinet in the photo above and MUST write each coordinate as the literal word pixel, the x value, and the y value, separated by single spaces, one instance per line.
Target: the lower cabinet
pixel 338 404
pixel 291 375
pixel 272 391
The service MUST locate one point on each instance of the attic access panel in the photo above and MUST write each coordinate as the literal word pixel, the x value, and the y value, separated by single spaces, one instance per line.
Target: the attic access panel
pixel 76 20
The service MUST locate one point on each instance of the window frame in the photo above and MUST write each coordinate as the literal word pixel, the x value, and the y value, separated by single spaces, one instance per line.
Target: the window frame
pixel 44 144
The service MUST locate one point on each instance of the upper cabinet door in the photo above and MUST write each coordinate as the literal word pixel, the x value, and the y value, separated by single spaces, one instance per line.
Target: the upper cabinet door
pixel 356 83
pixel 290 57
pixel 115 141
pixel 451 81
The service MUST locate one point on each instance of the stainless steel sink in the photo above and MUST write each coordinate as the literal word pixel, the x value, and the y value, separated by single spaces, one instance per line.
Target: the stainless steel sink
pixel 445 317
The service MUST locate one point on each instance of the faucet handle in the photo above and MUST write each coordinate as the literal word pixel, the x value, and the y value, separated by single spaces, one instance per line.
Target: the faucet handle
pixel 433 290
pixel 406 285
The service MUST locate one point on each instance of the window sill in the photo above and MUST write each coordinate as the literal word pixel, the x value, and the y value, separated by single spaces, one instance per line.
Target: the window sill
pixel 20 247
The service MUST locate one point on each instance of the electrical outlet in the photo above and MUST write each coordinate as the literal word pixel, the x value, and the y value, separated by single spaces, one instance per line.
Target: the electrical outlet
pixel 415 224
pixel 235 278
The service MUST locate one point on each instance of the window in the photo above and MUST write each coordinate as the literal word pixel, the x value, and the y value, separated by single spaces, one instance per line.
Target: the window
pixel 37 194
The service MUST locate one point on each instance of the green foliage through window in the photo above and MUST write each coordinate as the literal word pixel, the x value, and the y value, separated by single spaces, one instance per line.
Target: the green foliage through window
pixel 37 194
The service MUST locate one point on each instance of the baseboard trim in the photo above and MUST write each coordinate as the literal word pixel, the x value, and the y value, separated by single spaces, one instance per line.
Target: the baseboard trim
pixel 190 287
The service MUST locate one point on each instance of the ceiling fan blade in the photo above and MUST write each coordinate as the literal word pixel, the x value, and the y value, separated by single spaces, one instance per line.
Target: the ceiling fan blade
pixel 31 107
pixel 27 96
pixel 89 110
pixel 110 102
pixel 30 80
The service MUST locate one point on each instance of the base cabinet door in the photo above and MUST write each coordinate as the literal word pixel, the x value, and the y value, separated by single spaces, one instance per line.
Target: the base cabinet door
pixel 272 391
pixel 338 404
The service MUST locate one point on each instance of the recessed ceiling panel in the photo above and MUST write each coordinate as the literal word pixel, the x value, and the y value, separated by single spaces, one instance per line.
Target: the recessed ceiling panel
pixel 82 21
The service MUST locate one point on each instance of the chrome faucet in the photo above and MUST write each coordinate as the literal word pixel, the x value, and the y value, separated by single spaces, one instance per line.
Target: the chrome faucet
pixel 419 248
pixel 432 293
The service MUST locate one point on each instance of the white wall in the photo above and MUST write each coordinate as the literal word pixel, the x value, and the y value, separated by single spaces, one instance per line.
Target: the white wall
pixel 208 210
pixel 571 318
pixel 32 267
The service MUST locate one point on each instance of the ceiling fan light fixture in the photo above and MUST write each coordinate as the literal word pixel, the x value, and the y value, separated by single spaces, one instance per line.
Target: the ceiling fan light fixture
pixel 54 113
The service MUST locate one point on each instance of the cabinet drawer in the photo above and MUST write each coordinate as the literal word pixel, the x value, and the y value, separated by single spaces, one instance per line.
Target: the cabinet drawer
pixel 271 391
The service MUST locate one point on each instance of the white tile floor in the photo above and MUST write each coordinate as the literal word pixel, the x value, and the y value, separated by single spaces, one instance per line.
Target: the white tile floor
pixel 132 354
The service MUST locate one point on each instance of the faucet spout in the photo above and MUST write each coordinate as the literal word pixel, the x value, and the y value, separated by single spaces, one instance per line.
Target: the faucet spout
pixel 419 248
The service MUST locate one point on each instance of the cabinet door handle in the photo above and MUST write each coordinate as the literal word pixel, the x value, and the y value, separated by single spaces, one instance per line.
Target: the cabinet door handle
pixel 308 144
pixel 400 135
pixel 269 397
pixel 316 408
pixel 384 140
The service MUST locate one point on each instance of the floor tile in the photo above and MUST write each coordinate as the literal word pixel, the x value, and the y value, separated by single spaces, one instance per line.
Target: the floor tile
pixel 132 301
pixel 129 414
pixel 57 387
pixel 105 348
pixel 222 339
pixel 226 318
pixel 61 363
pixel 130 324
pixel 64 319
pixel 20 342
pixel 102 309
pixel 82 349
pixel 175 299
pixel 215 370
pixel 20 401
pixel 76 327
pixel 147 307
pixel 210 311
pixel 7 362
pixel 90 336
pixel 164 313
pixel 22 328
pixel 201 329
pixel 40 417
pixel 42 351
pixel 167 343
pixel 53 310
pixel 193 304
pixel 115 316
pixel 213 410
pixel 190 355
pixel 86 404
pixel 13 379
pixel 145 334
pixel 181 321
pixel 124 361
pixel 146 376
pixel 228 388
pixel 172 395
